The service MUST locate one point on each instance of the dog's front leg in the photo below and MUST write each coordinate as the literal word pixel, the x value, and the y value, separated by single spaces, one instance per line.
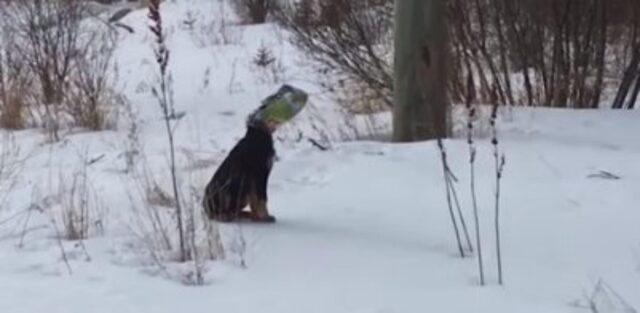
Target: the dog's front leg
pixel 259 209
pixel 258 198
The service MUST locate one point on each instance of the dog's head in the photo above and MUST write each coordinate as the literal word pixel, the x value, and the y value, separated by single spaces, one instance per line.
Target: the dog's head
pixel 279 108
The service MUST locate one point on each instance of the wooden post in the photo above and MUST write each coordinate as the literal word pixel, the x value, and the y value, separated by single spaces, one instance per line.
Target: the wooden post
pixel 420 70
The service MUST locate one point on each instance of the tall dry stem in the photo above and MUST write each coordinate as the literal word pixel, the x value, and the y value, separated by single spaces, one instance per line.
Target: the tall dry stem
pixel 499 167
pixel 471 110
pixel 166 105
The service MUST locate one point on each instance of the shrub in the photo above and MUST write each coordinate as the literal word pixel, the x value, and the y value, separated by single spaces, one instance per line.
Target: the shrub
pixel 64 59
pixel 91 97
pixel 13 92
pixel 350 39
pixel 253 11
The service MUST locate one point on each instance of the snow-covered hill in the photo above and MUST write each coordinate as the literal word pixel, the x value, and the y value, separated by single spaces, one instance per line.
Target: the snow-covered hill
pixel 362 227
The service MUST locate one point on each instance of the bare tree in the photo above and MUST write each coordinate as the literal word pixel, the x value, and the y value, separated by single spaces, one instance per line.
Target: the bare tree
pixel 67 60
pixel 560 53
pixel 629 87
pixel 47 35
pixel 350 39
pixel 254 11
pixel 90 95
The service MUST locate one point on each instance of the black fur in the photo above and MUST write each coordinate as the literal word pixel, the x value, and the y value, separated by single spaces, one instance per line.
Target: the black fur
pixel 242 179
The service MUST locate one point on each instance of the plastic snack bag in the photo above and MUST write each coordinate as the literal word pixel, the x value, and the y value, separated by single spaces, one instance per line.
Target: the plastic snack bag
pixel 281 106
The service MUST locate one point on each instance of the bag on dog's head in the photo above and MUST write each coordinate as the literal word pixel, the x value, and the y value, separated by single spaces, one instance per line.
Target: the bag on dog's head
pixel 279 107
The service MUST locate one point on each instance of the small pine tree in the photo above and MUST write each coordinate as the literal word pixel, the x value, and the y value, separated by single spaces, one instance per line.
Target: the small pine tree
pixel 264 57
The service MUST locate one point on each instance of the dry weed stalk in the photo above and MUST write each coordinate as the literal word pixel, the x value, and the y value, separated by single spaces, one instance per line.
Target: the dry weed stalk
pixel 471 110
pixel 81 208
pixel 449 177
pixel 202 237
pixel 163 94
pixel 12 162
pixel 159 228
pixel 499 162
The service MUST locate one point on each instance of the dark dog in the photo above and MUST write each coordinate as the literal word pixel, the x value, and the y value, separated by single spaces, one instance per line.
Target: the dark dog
pixel 242 178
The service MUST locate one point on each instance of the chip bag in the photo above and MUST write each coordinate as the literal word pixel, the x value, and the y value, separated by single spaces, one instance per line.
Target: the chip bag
pixel 281 106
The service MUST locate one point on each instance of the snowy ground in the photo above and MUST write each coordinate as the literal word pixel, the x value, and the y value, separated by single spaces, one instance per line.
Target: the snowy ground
pixel 362 227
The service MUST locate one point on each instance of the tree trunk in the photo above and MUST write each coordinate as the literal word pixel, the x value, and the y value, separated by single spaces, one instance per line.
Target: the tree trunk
pixel 631 104
pixel 630 74
pixel 420 70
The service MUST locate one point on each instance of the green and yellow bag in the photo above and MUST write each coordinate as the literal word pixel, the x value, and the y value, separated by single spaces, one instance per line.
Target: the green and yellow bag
pixel 280 107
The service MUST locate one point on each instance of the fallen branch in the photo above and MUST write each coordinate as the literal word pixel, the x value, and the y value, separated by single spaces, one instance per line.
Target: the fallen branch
pixel 318 145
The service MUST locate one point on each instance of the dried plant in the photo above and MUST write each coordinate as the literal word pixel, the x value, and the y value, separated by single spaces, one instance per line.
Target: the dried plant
pixel 164 96
pixel 499 160
pixel 13 91
pixel 91 96
pixel 47 34
pixel 58 65
pixel 471 109
pixel 348 39
pixel 179 226
pixel 11 163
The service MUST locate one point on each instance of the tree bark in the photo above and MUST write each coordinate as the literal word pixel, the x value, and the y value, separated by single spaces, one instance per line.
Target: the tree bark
pixel 420 71
pixel 630 74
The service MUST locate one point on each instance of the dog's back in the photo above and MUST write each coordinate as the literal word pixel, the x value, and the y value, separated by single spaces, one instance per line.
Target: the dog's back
pixel 242 174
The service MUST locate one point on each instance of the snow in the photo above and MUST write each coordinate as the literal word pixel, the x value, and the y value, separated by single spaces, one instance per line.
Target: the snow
pixel 361 228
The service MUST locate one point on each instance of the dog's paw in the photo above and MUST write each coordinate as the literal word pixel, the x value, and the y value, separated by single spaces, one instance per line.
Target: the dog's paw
pixel 267 219
pixel 251 217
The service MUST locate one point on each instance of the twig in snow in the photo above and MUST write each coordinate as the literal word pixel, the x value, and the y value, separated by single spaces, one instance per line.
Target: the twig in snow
pixel 603 299
pixel 60 245
pixel 318 145
pixel 604 175
pixel 95 160
pixel 24 227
